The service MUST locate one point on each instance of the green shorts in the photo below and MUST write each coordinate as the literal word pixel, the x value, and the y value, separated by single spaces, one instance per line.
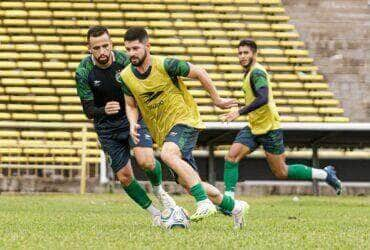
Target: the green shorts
pixel 185 138
pixel 271 142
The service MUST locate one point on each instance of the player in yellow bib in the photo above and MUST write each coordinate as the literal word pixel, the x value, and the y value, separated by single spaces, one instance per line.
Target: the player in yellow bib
pixel 153 85
pixel 264 128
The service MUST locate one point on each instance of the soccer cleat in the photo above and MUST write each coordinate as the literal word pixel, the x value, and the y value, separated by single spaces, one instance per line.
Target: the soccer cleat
pixel 166 200
pixel 204 210
pixel 157 220
pixel 224 212
pixel 239 215
pixel 333 180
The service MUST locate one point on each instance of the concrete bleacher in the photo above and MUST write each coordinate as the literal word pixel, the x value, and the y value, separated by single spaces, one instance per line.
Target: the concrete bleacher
pixel 41 44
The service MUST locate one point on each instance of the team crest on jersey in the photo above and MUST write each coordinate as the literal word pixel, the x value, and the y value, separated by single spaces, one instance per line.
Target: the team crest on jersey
pixel 150 96
pixel 118 76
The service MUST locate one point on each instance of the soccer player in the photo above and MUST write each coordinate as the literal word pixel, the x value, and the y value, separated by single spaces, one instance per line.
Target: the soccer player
pixel 103 100
pixel 264 128
pixel 153 84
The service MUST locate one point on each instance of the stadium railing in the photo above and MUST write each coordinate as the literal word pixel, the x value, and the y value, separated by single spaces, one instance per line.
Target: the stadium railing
pixel 28 147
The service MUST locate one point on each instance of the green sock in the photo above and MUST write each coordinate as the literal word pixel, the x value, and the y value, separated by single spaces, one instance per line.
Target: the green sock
pixel 198 192
pixel 231 175
pixel 227 203
pixel 155 175
pixel 299 172
pixel 138 194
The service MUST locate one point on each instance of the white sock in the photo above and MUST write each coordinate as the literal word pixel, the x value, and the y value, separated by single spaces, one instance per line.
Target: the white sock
pixel 236 208
pixel 230 193
pixel 158 189
pixel 319 174
pixel 153 210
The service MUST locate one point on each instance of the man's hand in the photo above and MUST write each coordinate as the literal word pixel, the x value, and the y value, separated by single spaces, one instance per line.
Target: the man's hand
pixel 225 103
pixel 112 108
pixel 133 132
pixel 229 117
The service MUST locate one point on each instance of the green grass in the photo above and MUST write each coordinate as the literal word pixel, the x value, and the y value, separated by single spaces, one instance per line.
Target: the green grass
pixel 113 222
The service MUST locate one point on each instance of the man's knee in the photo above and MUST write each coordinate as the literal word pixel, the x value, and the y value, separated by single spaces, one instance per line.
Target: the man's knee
pixel 168 156
pixel 145 162
pixel 125 177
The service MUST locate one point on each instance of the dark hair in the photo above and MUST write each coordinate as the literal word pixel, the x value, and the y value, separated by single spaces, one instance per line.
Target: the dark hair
pixel 96 31
pixel 136 33
pixel 250 43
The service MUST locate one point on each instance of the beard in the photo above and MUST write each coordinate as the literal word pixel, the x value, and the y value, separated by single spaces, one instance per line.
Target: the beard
pixel 103 59
pixel 247 66
pixel 139 61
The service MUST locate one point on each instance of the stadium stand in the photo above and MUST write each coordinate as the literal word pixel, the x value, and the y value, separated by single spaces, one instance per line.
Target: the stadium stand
pixel 41 44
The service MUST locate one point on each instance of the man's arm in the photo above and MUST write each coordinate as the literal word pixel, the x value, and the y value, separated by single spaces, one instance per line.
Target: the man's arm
pixel 132 113
pixel 177 67
pixel 261 91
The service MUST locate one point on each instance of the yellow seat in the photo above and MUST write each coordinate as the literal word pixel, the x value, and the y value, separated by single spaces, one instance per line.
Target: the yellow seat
pixel 59 74
pixel 36 5
pixel 290 85
pixel 166 32
pixel 31 56
pixel 60 22
pixel 310 119
pixel 66 91
pixel 318 85
pixel 292 43
pixel 300 101
pixel 71 108
pixel 182 15
pixel 178 7
pixel 15 22
pixel 36 23
pixel 326 102
pixel 17 90
pixel 205 109
pixel 9 4
pixel 319 94
pixel 62 151
pixel 45 107
pixel 209 25
pixel 32 73
pixel 7 65
pixel 19 107
pixel 79 6
pixel 107 6
pixel 229 67
pixel 63 82
pixel 70 99
pixel 223 51
pixel 26 47
pixel 185 24
pixel 54 65
pixel 75 117
pixel 296 93
pixel 214 33
pixel 203 59
pixel 284 77
pixel 36 151
pixel 47 99
pixel 273 10
pixel 198 92
pixel 111 15
pixel 305 110
pixel 198 50
pixel 193 41
pixel 24 116
pixel 42 90
pixel 282 26
pixel 300 60
pixel 296 52
pixel 286 35
pixel 307 77
pixel 9 133
pixel 331 110
pixel 336 119
pixel 190 32
pixel 29 65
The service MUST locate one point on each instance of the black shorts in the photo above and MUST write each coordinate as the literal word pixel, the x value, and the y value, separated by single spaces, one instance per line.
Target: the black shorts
pixel 117 146
pixel 185 138
pixel 272 141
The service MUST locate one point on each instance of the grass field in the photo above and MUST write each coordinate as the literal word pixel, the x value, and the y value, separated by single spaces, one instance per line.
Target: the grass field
pixel 112 221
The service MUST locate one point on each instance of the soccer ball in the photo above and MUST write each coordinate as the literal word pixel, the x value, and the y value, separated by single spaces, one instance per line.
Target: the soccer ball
pixel 176 217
